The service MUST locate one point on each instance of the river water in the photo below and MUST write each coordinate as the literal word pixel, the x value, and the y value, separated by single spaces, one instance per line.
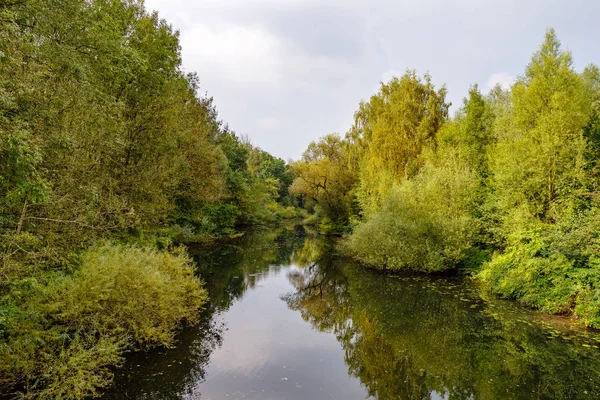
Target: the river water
pixel 290 319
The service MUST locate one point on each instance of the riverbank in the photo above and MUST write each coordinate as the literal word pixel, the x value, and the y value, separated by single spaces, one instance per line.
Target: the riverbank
pixel 283 305
pixel 109 154
pixel 64 330
pixel 509 185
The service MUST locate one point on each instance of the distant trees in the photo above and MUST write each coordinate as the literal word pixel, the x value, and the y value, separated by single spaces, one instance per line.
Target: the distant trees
pixel 324 180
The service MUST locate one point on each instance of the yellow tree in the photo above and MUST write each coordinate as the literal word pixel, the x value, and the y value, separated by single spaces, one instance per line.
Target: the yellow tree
pixel 391 131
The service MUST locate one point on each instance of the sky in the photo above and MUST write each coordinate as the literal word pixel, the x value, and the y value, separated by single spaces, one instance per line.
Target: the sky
pixel 286 72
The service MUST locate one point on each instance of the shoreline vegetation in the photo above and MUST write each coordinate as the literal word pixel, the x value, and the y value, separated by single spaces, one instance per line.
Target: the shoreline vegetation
pixel 111 156
pixel 506 189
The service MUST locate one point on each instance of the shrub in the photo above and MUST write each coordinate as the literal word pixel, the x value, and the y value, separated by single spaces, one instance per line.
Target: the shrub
pixel 283 212
pixel 425 224
pixel 312 219
pixel 140 293
pixel 523 272
pixel 62 335
pixel 555 268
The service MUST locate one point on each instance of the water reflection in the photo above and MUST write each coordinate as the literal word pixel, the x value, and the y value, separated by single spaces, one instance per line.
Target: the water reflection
pixel 229 268
pixel 422 338
pixel 344 332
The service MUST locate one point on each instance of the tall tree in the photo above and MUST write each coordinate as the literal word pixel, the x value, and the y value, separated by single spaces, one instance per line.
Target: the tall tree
pixel 538 162
pixel 393 129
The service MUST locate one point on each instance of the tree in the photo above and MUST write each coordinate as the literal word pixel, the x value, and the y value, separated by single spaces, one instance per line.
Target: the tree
pixel 538 161
pixel 392 130
pixel 322 176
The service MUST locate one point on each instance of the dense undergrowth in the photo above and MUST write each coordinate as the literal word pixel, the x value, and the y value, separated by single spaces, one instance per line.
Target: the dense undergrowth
pixel 507 189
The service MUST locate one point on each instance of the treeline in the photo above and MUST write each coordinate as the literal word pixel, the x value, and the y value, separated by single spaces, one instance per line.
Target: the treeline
pixel 104 137
pixel 508 188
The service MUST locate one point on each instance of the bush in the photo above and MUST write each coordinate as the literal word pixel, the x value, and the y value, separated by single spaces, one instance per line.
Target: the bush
pixel 425 223
pixel 312 220
pixel 140 293
pixel 524 273
pixel 555 268
pixel 61 336
pixel 284 212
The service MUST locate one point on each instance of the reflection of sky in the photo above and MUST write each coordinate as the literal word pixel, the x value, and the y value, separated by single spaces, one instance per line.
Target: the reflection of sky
pixel 256 347
pixel 270 352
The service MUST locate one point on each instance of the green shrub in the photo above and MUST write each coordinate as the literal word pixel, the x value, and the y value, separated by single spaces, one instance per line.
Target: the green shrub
pixel 283 212
pixel 524 273
pixel 312 219
pixel 61 336
pixel 555 268
pixel 425 223
pixel 140 293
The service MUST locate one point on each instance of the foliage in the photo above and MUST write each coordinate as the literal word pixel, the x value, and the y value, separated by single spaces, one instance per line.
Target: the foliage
pixel 103 136
pixel 258 184
pixel 508 188
pixel 323 179
pixel 415 338
pixel 554 268
pixel 392 130
pixel 61 334
pixel 545 188
pixel 538 161
pixel 426 223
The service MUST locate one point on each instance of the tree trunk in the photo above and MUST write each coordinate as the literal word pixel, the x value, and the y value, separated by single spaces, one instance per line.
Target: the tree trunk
pixel 23 212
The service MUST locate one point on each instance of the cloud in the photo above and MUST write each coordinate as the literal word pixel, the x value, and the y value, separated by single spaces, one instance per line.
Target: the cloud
pixel 269 123
pixel 389 74
pixel 238 54
pixel 504 79
pixel 285 72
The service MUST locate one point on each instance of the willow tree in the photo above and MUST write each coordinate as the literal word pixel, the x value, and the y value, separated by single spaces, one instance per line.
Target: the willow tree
pixel 392 130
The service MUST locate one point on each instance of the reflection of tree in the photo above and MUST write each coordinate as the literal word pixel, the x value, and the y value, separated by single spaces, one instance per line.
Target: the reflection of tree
pixel 322 296
pixel 228 268
pixel 313 248
pixel 405 338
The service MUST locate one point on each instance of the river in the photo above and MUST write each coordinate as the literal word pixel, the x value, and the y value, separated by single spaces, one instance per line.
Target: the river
pixel 290 319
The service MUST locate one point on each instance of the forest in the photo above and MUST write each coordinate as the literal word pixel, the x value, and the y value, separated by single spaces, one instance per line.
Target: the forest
pixel 112 157
pixel 507 189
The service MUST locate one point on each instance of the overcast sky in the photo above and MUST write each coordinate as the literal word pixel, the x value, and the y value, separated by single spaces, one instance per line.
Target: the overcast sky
pixel 285 72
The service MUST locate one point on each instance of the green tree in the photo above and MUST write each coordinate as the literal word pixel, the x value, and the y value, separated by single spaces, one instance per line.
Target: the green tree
pixel 538 162
pixel 323 178
pixel 392 130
